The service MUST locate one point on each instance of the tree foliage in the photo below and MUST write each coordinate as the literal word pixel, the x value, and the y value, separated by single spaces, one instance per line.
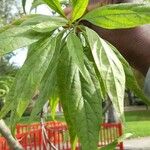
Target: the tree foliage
pixel 71 61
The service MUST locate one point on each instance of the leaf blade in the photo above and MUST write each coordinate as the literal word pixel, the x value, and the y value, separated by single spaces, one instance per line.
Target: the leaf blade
pixel 28 79
pixel 120 16
pixel 17 37
pixel 81 102
pixel 79 9
pixel 75 49
pixel 111 70
pixel 48 84
pixel 55 5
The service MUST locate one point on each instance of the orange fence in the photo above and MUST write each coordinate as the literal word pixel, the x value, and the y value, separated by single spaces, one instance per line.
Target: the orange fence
pixel 55 136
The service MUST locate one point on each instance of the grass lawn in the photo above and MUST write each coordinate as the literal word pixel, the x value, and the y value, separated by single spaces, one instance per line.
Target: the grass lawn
pixel 138 123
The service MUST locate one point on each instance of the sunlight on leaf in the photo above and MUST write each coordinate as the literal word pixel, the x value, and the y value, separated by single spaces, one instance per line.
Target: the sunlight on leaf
pixel 119 16
pixel 78 9
pixel 110 69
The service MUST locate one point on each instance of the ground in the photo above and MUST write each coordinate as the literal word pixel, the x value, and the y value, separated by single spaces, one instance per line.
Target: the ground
pixel 142 143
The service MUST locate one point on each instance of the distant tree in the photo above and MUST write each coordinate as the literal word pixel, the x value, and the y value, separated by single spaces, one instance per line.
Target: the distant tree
pixel 9 10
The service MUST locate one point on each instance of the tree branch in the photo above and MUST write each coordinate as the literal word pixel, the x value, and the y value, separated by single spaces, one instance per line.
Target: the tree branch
pixel 6 133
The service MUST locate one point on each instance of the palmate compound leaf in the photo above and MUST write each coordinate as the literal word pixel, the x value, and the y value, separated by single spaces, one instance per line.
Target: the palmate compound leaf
pixel 28 31
pixel 48 85
pixel 28 78
pixel 81 101
pixel 110 68
pixel 131 82
pixel 78 9
pixel 120 16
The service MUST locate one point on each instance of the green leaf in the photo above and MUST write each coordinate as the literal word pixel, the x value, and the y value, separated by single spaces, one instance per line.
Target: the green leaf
pixel 75 48
pixel 54 101
pixel 50 25
pixel 131 82
pixel 120 16
pixel 73 2
pixel 78 9
pixel 17 22
pixel 46 91
pixel 28 31
pixel 55 5
pixel 38 18
pixel 36 3
pixel 88 54
pixel 62 77
pixel 110 69
pixel 47 88
pixel 44 23
pixel 29 78
pixel 17 37
pixel 81 102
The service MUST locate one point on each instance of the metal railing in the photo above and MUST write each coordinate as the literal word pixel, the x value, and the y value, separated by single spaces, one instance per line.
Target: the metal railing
pixel 56 136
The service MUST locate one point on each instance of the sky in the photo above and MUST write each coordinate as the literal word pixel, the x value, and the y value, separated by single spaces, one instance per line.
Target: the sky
pixel 20 54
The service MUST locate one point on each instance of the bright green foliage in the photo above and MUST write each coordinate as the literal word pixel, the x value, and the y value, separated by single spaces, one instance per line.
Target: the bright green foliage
pixel 36 3
pixel 110 68
pixel 12 39
pixel 29 77
pixel 27 32
pixel 78 9
pixel 48 83
pixel 81 102
pixel 55 5
pixel 69 62
pixel 120 16
pixel 73 2
pixel 76 51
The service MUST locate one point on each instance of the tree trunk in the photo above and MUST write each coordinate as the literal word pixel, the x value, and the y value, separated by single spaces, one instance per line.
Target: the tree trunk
pixel 6 133
pixel 109 112
pixel 112 117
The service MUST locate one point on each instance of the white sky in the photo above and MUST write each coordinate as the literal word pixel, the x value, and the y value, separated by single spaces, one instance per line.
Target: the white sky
pixel 20 54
